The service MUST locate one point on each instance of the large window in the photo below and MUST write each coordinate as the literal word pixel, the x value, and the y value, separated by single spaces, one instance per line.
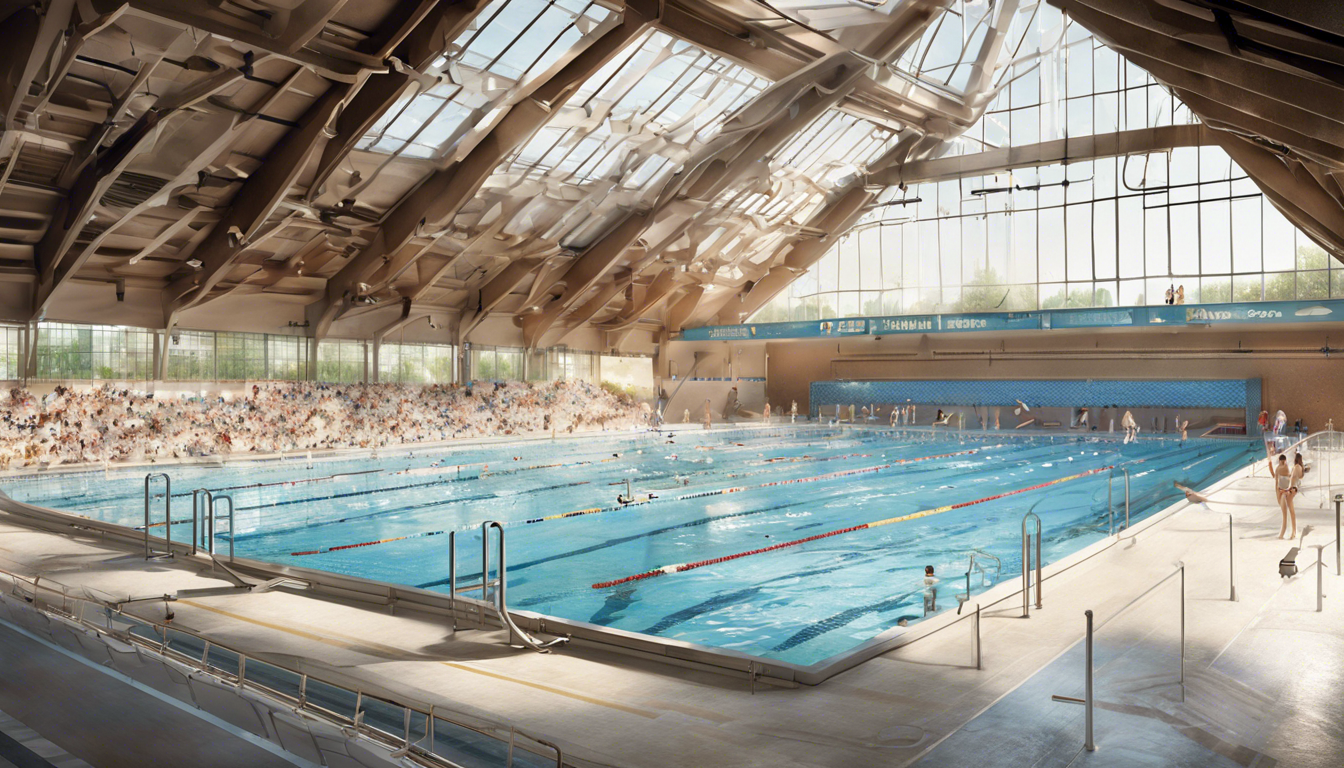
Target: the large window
pixel 11 352
pixel 415 363
pixel 559 363
pixel 191 356
pixel 224 356
pixel 242 356
pixel 1086 233
pixel 340 360
pixel 94 352
pixel 1121 232
pixel 496 363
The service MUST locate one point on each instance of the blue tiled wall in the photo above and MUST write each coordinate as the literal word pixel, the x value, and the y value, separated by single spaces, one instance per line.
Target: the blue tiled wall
pixel 1206 393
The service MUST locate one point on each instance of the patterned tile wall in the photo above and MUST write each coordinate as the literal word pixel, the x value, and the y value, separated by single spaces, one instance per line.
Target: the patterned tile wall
pixel 1205 393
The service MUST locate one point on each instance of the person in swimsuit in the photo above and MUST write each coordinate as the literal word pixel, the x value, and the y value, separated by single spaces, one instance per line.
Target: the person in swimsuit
pixel 1299 470
pixel 1283 484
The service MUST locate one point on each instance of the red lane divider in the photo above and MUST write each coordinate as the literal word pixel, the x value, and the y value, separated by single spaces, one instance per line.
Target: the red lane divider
pixel 683 567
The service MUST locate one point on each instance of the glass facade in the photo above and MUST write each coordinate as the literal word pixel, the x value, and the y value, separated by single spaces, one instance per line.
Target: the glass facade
pixel 223 356
pixel 1086 233
pixel 415 363
pixel 496 363
pixel 93 353
pixel 11 353
pixel 77 352
pixel 340 360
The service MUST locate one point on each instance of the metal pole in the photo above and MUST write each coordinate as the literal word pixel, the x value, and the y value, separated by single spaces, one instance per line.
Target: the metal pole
pixel 1026 574
pixel 1320 568
pixel 977 637
pixel 1339 499
pixel 1110 505
pixel 208 524
pixel 1088 742
pixel 1231 561
pixel 195 536
pixel 230 500
pixel 452 576
pixel 500 596
pixel 1126 499
pixel 485 568
pixel 1038 563
pixel 147 479
pixel 1182 631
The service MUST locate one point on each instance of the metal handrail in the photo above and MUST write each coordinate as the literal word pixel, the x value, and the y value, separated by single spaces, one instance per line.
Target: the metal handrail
pixel 202 516
pixel 167 516
pixel 214 499
pixel 973 566
pixel 1026 565
pixel 501 603
pixel 164 648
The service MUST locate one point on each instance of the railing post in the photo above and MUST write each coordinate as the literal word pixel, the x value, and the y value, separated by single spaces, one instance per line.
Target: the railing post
pixel 231 522
pixel 1320 584
pixel 195 535
pixel 1088 742
pixel 1110 504
pixel 1126 499
pixel 977 637
pixel 1182 567
pixel 452 577
pixel 1339 499
pixel 1026 565
pixel 167 519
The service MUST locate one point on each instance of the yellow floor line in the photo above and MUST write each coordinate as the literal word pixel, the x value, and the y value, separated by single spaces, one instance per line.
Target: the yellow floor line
pixel 549 689
pixel 356 644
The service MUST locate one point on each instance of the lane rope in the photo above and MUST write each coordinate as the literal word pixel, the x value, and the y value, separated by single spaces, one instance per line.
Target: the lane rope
pixel 683 567
pixel 641 500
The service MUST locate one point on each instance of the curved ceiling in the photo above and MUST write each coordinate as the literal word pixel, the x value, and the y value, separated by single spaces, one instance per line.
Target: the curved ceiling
pixel 570 164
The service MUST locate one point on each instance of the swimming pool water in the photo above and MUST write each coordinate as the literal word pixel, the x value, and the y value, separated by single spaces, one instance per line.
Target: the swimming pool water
pixel 800 604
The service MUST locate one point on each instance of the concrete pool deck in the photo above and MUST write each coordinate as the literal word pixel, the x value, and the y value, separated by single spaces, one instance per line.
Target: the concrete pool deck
pixel 1250 692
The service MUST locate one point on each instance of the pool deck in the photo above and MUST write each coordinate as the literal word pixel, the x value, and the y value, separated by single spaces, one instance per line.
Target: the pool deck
pixel 1262 674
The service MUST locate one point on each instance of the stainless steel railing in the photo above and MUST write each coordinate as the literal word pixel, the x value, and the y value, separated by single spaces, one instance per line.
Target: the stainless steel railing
pixel 167 516
pixel 202 518
pixel 288 687
pixel 1026 564
pixel 973 566
pixel 500 583
pixel 501 602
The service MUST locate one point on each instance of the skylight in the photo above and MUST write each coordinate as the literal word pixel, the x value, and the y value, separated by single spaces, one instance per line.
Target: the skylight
pixel 510 41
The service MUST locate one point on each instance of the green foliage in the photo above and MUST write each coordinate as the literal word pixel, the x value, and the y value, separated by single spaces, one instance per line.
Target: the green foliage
pixel 627 393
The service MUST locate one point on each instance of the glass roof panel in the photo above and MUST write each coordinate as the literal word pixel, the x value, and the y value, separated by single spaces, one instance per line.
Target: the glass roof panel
pixel 642 113
pixel 510 41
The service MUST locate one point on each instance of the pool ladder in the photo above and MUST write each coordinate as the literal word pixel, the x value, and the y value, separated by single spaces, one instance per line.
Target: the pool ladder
pixel 499 603
pixel 976 566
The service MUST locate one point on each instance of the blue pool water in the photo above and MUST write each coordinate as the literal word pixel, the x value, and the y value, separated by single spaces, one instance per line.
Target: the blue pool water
pixel 800 604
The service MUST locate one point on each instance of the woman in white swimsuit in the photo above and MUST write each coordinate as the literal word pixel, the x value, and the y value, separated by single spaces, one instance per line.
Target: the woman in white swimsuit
pixel 1284 490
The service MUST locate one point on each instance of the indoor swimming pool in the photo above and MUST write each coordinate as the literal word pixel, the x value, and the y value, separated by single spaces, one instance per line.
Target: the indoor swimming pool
pixel 792 543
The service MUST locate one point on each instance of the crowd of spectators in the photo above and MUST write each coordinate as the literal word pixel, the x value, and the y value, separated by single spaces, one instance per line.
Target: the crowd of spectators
pixel 104 424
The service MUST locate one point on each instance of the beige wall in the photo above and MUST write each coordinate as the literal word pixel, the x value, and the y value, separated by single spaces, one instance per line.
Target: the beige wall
pixel 1297 376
